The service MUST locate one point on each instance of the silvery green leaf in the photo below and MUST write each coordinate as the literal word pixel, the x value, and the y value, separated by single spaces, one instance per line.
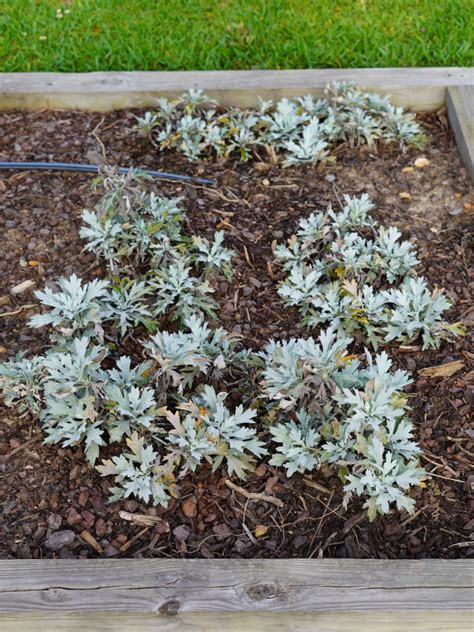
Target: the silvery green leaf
pixel 124 305
pixel 76 304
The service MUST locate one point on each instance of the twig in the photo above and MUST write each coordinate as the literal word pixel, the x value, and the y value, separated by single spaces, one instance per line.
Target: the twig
pixel 317 486
pixel 411 518
pixel 249 534
pixel 461 544
pixel 247 258
pixel 24 445
pixel 94 134
pixel 224 213
pixel 17 311
pixel 254 496
pixel 209 537
pixel 126 545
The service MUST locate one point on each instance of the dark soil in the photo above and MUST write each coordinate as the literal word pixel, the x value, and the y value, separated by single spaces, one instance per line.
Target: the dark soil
pixel 51 502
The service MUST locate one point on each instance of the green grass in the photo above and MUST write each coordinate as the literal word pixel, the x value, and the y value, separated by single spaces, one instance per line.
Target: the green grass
pixel 226 34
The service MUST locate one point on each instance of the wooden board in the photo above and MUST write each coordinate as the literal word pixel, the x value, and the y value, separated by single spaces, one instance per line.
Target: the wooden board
pixel 247 595
pixel 460 103
pixel 416 88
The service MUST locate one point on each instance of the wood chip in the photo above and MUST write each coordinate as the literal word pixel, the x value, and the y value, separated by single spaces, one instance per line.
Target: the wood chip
pixel 442 370
pixel 422 162
pixel 22 287
pixel 89 538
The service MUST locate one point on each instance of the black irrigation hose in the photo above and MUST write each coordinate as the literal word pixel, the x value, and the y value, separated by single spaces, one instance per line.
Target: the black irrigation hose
pixel 64 166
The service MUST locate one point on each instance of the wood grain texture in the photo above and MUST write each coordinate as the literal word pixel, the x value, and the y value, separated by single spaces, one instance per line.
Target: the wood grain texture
pixel 236 594
pixel 419 621
pixel 460 103
pixel 416 88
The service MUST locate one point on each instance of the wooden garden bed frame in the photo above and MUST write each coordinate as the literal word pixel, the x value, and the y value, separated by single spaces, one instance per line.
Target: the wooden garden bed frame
pixel 215 595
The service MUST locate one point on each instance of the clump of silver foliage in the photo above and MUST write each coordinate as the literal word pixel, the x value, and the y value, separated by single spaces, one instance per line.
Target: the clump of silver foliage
pixel 300 131
pixel 345 270
pixel 166 407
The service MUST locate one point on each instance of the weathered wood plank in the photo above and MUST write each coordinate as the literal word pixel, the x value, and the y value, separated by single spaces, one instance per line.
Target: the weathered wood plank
pixel 323 595
pixel 416 88
pixel 460 103
pixel 414 621
pixel 143 573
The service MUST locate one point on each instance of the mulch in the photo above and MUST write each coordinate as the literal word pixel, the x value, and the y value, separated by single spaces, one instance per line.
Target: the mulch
pixel 53 505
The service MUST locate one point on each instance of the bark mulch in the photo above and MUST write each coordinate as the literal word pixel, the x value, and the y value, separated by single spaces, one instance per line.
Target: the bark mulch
pixel 52 504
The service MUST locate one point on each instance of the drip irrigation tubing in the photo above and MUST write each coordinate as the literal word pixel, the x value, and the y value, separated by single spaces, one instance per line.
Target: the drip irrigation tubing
pixel 65 166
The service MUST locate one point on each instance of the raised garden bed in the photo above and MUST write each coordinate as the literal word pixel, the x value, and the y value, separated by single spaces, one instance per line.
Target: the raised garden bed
pixel 49 490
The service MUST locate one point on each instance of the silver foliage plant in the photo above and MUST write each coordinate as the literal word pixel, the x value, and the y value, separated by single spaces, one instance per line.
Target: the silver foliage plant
pixel 160 269
pixel 338 410
pixel 166 410
pixel 343 269
pixel 302 131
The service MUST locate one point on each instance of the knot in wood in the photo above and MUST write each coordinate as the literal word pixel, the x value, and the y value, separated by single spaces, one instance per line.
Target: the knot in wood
pixel 170 607
pixel 54 595
pixel 260 591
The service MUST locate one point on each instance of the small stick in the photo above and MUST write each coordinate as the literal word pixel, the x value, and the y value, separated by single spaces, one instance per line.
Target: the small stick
pixel 254 496
pixel 224 222
pixel 17 311
pixel 126 545
pixel 249 533
pixel 317 486
pixel 25 445
pixel 247 258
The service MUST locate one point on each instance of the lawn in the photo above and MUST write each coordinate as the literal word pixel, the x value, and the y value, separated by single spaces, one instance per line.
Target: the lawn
pixel 87 35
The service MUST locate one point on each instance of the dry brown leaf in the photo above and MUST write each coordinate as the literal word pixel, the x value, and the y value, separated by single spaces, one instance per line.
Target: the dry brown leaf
pixel 140 519
pixel 260 530
pixel 442 370
pixel 422 162
pixel 189 508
